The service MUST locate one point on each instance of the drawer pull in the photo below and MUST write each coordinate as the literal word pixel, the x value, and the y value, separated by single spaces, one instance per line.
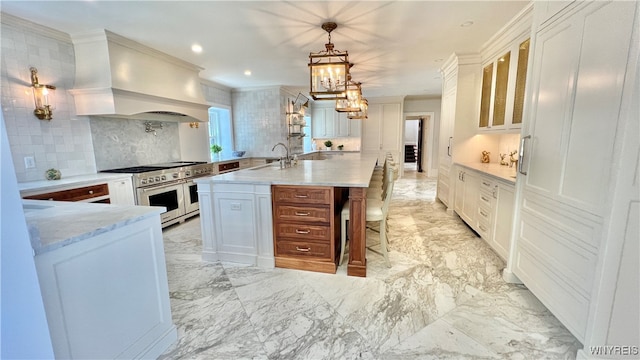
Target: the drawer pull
pixel 484 198
pixel 303 249
pixel 298 213
pixel 50 199
pixel 298 231
pixel 301 196
pixel 486 184
pixel 482 228
pixel 483 213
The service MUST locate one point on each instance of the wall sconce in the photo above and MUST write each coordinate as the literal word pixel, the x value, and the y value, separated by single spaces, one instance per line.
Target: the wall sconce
pixel 194 125
pixel 42 96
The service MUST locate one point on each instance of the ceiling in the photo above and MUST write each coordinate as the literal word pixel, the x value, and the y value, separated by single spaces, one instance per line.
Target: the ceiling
pixel 397 47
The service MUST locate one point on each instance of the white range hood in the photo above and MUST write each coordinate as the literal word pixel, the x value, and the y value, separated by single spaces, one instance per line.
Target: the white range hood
pixel 118 77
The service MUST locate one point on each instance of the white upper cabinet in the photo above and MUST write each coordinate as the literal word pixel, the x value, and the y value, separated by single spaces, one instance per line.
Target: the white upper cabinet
pixel 327 123
pixel 505 60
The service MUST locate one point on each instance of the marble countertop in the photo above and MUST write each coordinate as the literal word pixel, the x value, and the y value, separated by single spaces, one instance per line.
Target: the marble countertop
pixel 54 224
pixel 353 170
pixel 68 182
pixel 498 171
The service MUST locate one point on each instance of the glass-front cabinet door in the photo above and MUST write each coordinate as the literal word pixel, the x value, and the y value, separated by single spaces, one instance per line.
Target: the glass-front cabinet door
pixel 485 102
pixel 503 86
pixel 500 96
pixel 521 80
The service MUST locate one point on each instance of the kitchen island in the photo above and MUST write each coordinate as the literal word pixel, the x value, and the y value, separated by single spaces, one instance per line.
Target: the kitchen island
pixel 237 211
pixel 103 278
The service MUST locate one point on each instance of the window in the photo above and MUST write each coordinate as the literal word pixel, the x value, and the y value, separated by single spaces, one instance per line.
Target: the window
pixel 221 130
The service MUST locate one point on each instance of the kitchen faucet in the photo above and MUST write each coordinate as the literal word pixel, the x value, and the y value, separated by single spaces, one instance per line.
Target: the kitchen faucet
pixel 287 161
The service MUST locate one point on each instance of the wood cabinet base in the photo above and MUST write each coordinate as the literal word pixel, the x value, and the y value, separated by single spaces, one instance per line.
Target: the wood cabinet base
pixel 306 264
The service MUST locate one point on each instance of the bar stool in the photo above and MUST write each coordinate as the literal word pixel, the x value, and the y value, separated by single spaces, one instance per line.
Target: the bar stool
pixel 377 211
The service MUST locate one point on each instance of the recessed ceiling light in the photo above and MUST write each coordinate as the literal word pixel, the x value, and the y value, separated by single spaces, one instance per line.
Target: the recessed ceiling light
pixel 196 48
pixel 467 23
pixel 247 72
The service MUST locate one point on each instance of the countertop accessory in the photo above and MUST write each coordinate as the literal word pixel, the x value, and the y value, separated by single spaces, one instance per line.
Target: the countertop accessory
pixel 340 147
pixel 328 144
pixel 502 160
pixel 328 70
pixel 239 153
pixel 485 157
pixel 42 97
pixel 53 174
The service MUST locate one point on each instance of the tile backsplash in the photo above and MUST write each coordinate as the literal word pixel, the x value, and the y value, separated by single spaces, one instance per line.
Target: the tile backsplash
pixel 124 142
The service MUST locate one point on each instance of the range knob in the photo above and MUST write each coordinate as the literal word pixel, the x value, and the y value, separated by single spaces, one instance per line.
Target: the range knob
pixel 150 180
pixel 143 181
pixel 157 178
pixel 175 175
pixel 187 173
pixel 164 177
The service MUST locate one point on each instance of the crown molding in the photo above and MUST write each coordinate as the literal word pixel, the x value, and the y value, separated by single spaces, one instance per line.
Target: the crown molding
pixel 18 22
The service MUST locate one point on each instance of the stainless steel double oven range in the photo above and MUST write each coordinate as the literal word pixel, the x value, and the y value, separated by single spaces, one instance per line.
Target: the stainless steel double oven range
pixel 170 185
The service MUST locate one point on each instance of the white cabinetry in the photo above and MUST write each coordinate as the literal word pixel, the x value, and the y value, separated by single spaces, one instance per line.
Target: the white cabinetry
pixel 381 132
pixel 584 68
pixel 327 123
pixel 504 73
pixel 503 215
pixel 461 76
pixel 107 297
pixel 121 192
pixel 486 204
pixel 466 197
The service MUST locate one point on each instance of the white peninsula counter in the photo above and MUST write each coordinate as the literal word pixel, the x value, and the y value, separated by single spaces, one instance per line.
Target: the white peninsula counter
pixel 103 278
pixel 238 211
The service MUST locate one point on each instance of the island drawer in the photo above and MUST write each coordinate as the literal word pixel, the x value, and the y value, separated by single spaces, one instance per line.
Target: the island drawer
pixel 303 232
pixel 303 249
pixel 302 194
pixel 302 213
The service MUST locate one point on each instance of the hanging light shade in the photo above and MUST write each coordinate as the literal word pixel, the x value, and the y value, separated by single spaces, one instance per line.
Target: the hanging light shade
pixel 362 112
pixel 353 91
pixel 328 70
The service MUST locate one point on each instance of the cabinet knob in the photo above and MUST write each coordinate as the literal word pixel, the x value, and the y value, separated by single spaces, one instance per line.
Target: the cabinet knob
pixel 90 192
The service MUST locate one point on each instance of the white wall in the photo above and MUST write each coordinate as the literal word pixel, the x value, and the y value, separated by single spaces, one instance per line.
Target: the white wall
pixel 24 331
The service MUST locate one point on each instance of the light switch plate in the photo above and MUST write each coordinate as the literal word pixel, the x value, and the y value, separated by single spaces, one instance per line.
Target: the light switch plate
pixel 29 162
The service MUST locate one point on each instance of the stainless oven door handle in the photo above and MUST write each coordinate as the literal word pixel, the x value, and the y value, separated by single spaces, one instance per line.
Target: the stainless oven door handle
pixel 162 186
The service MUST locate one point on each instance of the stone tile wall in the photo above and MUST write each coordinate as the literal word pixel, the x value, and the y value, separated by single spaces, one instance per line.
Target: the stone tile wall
pixel 63 143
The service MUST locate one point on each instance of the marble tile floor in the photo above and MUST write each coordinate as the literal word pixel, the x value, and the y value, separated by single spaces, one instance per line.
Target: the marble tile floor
pixel 443 298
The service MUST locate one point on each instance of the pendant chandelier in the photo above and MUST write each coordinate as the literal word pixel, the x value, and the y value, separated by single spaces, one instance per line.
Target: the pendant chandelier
pixel 362 112
pixel 351 103
pixel 328 70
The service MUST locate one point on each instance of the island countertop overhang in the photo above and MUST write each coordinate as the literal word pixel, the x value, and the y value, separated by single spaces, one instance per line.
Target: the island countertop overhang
pixel 354 171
